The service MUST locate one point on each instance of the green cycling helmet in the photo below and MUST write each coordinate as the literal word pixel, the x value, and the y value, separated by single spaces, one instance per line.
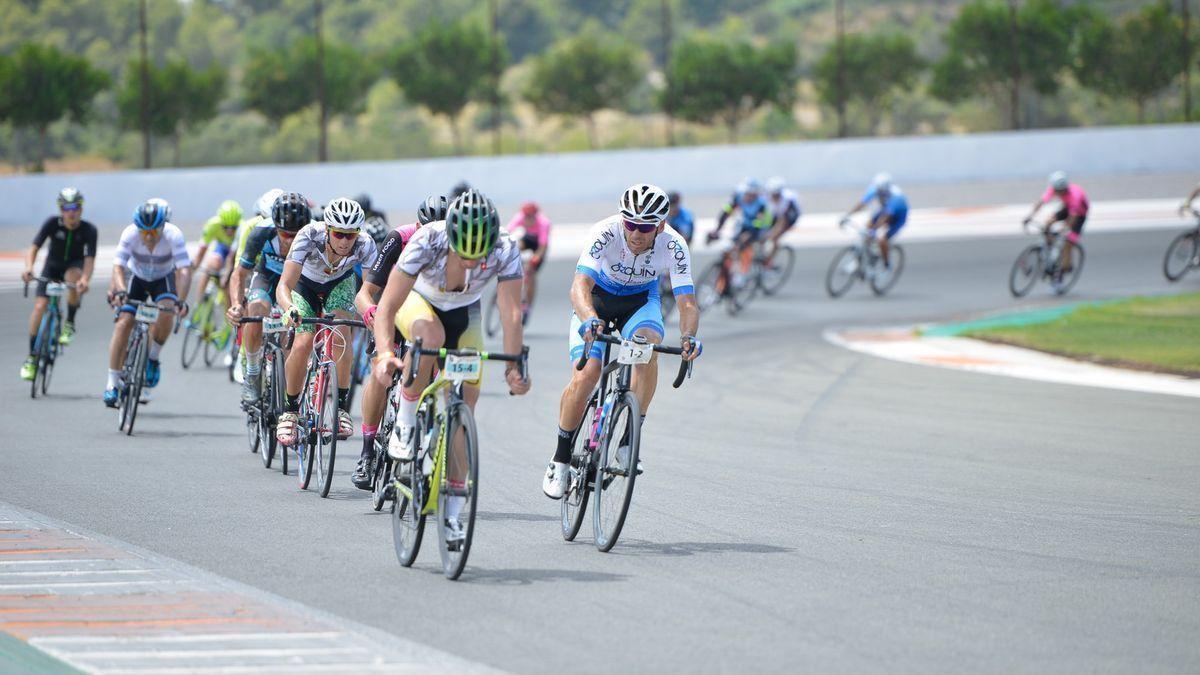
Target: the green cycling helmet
pixel 230 213
pixel 472 225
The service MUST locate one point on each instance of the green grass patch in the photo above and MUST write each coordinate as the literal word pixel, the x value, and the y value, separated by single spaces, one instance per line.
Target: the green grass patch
pixel 1153 333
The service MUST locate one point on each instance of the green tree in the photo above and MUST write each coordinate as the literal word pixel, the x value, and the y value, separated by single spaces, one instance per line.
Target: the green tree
pixel 582 75
pixel 181 98
pixel 445 67
pixel 1137 58
pixel 876 68
pixel 711 79
pixel 40 85
pixel 997 49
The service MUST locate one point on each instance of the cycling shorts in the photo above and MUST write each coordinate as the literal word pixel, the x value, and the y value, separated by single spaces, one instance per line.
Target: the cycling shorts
pixel 56 270
pixel 141 290
pixel 629 313
pixel 1062 216
pixel 262 287
pixel 895 221
pixel 461 324
pixel 313 300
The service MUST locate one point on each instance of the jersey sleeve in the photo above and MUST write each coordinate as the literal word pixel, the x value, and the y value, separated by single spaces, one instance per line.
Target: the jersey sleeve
pixel 681 266
pixel 389 254
pixel 253 246
pixel 543 230
pixel 510 262
pixel 589 260
pixel 515 222
pixel 90 237
pixel 125 247
pixel 418 254
pixel 1047 195
pixel 211 229
pixel 179 250
pixel 44 233
pixel 367 251
pixel 303 245
pixel 870 194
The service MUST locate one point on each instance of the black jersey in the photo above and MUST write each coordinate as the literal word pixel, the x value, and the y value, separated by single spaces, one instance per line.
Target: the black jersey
pixel 67 245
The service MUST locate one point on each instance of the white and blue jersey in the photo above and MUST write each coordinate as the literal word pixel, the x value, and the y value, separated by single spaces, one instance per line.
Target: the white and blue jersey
pixel 892 203
pixel 616 270
pixel 756 213
pixel 683 222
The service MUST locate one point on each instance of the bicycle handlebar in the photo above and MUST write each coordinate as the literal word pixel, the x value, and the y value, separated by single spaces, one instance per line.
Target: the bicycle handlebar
pixel 685 367
pixel 325 321
pixel 417 351
pixel 69 284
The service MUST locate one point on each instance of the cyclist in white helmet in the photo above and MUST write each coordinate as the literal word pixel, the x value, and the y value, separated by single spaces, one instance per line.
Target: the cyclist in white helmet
pixel 616 281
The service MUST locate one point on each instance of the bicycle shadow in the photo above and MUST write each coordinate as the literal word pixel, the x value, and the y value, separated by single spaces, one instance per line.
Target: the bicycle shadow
pixel 689 548
pixel 514 517
pixel 529 576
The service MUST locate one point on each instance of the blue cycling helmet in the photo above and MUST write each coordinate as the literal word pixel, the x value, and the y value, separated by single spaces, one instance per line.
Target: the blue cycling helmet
pixel 152 215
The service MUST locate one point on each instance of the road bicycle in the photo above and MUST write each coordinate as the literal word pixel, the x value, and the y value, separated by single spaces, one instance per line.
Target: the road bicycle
pixel 1183 254
pixel 726 281
pixel 1043 261
pixel 438 473
pixel 774 268
pixel 262 414
pixel 862 261
pixel 607 441
pixel 206 329
pixel 317 426
pixel 46 346
pixel 137 353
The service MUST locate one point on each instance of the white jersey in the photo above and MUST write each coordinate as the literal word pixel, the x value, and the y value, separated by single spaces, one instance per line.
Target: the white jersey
pixel 169 253
pixel 614 268
pixel 424 257
pixel 787 205
pixel 309 250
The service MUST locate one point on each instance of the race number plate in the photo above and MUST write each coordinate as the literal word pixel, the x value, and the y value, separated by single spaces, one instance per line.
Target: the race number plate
pixel 147 314
pixel 273 325
pixel 463 368
pixel 55 289
pixel 634 353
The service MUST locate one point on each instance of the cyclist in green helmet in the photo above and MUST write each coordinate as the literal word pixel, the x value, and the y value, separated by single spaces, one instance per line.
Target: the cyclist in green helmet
pixel 216 242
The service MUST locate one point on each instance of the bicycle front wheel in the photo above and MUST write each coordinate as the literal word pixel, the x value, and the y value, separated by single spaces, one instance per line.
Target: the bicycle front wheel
pixel 327 429
pixel 574 501
pixel 844 269
pixel 1182 255
pixel 193 336
pixel 777 270
pixel 616 471
pixel 1067 279
pixel 886 277
pixel 707 291
pixel 212 349
pixel 137 375
pixel 1025 271
pixel 459 491
pixel 408 481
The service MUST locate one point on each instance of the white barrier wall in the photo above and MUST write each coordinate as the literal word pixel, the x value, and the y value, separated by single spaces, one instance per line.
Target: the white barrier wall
pixel 194 193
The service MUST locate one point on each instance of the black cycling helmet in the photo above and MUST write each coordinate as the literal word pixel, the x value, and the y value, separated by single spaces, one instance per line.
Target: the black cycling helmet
pixel 290 212
pixel 673 197
pixel 472 225
pixel 432 209
pixel 461 187
pixel 364 200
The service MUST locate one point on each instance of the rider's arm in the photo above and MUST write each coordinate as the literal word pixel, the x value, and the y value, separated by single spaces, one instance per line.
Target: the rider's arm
pixel 121 259
pixel 1190 198
pixel 237 292
pixel 365 298
pixel 38 240
pixel 399 285
pixel 89 254
pixel 581 297
pixel 508 299
pixel 117 283
pixel 287 281
pixel 30 257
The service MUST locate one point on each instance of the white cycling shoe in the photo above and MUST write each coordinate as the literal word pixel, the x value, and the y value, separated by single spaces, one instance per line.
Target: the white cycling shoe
pixel 345 425
pixel 557 479
pixel 400 445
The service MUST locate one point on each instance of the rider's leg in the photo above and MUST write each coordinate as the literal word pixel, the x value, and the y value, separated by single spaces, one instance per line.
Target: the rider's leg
pixel 646 322
pixel 74 297
pixel 35 321
pixel 116 348
pixel 162 327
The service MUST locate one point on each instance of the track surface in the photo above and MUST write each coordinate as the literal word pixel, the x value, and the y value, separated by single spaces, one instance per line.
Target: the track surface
pixel 803 506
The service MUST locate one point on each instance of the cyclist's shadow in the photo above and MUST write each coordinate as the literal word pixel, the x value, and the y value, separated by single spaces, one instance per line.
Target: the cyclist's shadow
pixel 528 576
pixel 689 548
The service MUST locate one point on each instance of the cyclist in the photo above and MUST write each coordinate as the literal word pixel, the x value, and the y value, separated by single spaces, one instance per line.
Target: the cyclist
pixel 219 233
pixel 534 231
pixel 71 258
pixel 433 293
pixel 377 225
pixel 1187 203
pixel 616 281
pixel 267 246
pixel 785 205
pixel 319 278
pixel 892 213
pixel 681 219
pixel 1073 213
pixel 374 398
pixel 261 213
pixel 755 220
pixel 154 253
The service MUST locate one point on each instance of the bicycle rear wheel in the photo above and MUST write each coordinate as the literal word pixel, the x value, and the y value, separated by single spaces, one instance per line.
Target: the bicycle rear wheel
pixel 1068 279
pixel 307 428
pixel 464 491
pixel 776 273
pixel 574 501
pixel 616 471
pixel 842 272
pixel 707 293
pixel 137 374
pixel 1181 255
pixel 885 278
pixel 212 348
pixel 327 429
pixel 408 517
pixel 1025 271
pixel 193 334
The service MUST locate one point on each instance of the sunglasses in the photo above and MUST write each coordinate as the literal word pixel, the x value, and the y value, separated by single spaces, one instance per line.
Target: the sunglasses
pixel 644 228
pixel 71 207
pixel 338 234
pixel 285 234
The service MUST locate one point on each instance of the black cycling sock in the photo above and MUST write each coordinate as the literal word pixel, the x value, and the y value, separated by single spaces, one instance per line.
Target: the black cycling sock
pixel 293 403
pixel 368 445
pixel 562 454
pixel 344 398
pixel 71 309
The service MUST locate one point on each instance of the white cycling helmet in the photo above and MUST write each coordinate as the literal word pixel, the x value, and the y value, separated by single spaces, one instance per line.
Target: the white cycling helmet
pixel 344 213
pixel 266 201
pixel 1058 180
pixel 644 203
pixel 775 185
pixel 882 182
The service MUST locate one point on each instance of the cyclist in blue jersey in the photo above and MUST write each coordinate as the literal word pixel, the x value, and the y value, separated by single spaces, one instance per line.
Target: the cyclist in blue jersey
pixel 680 219
pixel 892 212
pixel 755 214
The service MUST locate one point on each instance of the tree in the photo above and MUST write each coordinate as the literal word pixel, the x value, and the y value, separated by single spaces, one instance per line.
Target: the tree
pixel 446 66
pixel 40 85
pixel 582 75
pixel 998 49
pixel 875 67
pixel 710 79
pixel 1136 59
pixel 181 98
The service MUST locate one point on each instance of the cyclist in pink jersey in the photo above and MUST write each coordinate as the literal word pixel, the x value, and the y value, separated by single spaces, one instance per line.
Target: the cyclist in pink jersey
pixel 535 229
pixel 1073 213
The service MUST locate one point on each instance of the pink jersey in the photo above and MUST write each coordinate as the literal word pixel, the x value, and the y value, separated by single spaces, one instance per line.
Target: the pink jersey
pixel 1075 200
pixel 541 227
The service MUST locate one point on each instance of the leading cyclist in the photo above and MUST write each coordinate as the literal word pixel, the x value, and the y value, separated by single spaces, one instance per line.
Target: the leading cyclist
pixel 154 252
pixel 71 258
pixel 1073 213
pixel 616 281
pixel 534 228
pixel 892 213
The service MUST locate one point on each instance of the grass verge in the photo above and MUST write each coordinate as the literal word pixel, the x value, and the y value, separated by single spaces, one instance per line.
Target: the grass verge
pixel 1147 333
